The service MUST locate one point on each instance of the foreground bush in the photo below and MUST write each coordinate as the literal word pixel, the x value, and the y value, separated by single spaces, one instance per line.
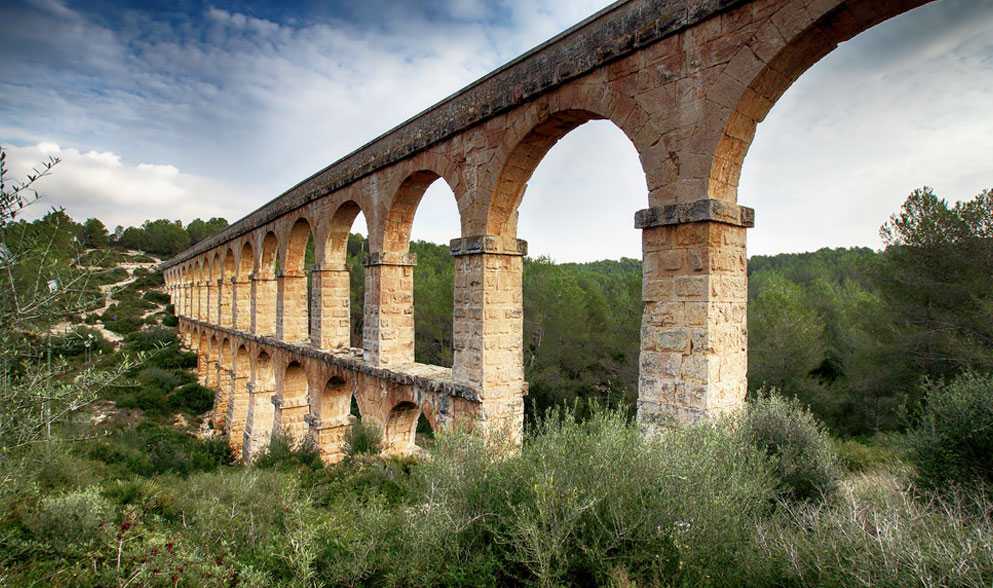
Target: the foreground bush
pixel 875 534
pixel 954 443
pixel 583 503
pixel 804 459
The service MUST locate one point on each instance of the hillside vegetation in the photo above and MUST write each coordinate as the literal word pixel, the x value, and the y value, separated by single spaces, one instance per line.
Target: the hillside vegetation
pixel 862 458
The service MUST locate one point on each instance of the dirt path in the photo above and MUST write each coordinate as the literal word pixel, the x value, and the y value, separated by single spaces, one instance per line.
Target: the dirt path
pixel 108 295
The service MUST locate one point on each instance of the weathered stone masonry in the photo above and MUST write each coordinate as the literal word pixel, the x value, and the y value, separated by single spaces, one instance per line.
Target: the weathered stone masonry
pixel 687 81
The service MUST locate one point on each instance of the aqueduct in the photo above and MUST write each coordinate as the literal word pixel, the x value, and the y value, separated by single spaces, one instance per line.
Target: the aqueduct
pixel 687 81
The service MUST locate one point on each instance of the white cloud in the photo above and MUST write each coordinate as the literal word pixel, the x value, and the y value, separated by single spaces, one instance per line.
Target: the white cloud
pixel 102 185
pixel 229 112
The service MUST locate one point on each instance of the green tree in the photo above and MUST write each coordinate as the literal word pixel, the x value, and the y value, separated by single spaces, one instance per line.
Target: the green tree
pixel 199 229
pixel 935 283
pixel 786 335
pixel 94 234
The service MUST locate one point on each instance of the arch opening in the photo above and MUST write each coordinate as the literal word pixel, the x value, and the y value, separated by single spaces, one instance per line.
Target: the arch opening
pixel 401 426
pixel 340 281
pixel 266 291
pixel 293 405
pixel 595 296
pixel 428 198
pixel 261 411
pixel 295 288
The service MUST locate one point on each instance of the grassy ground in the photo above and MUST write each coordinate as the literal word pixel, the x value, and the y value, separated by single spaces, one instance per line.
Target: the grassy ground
pixel 760 499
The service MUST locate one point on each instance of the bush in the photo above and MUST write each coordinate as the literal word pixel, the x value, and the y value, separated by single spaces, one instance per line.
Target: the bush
pixel 282 453
pixel 364 438
pixel 149 449
pixel 75 342
pixel 878 453
pixel 156 297
pixel 73 522
pixel 954 443
pixel 801 449
pixel 877 534
pixel 192 398
pixel 584 503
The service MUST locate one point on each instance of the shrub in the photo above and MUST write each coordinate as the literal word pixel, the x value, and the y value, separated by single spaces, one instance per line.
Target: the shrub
pixel 192 398
pixel 75 342
pixel 954 442
pixel 803 458
pixel 156 296
pixel 877 534
pixel 878 453
pixel 364 438
pixel 149 449
pixel 282 453
pixel 582 502
pixel 74 521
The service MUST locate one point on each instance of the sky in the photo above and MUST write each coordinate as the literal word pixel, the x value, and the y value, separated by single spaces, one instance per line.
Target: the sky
pixel 186 109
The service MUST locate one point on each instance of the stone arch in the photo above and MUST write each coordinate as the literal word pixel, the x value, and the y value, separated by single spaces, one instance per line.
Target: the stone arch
pixel 261 411
pixel 266 291
pixel 201 289
pixel 268 252
pixel 240 398
pixel 243 288
pixel 762 69
pixel 294 403
pixel 246 260
pixel 332 422
pixel 295 247
pixel 225 382
pixel 526 144
pixel 335 239
pixel 225 289
pixel 334 399
pixel 213 347
pixel 403 207
pixel 293 308
pixel 401 425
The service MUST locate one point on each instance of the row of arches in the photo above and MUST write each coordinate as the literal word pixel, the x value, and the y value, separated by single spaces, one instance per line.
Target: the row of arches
pixel 689 104
pixel 263 391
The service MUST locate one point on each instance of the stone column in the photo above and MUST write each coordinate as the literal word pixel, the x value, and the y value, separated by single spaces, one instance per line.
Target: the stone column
pixel 177 298
pixel 212 370
pixel 694 323
pixel 489 330
pixel 291 418
pixel 258 424
pixel 329 435
pixel 291 307
pixel 203 366
pixel 237 411
pixel 330 319
pixel 263 302
pixel 224 300
pixel 241 292
pixel 188 299
pixel 211 314
pixel 201 301
pixel 388 325
pixel 222 397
